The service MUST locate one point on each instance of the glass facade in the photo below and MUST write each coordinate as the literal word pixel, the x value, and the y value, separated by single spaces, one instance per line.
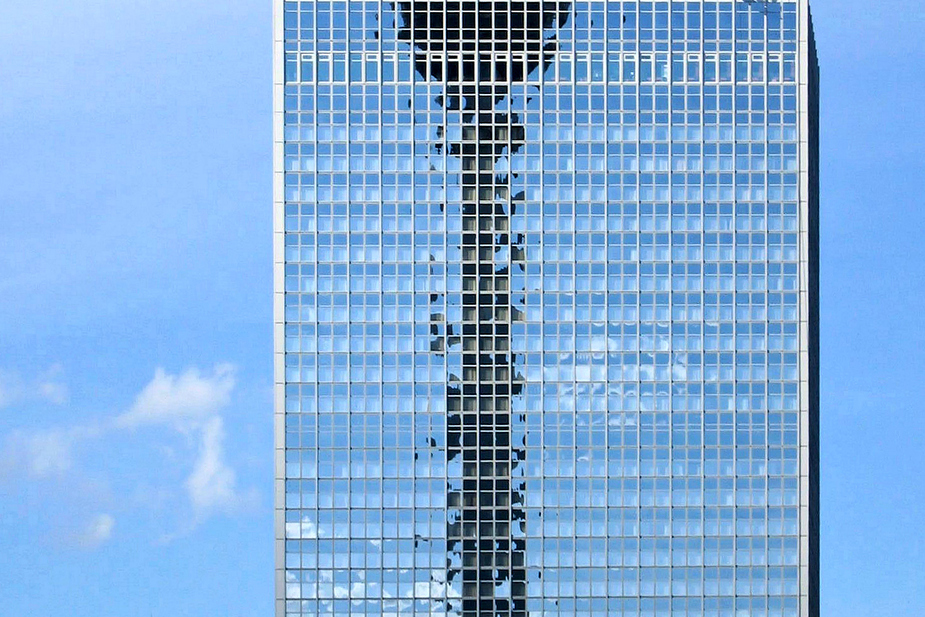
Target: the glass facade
pixel 546 309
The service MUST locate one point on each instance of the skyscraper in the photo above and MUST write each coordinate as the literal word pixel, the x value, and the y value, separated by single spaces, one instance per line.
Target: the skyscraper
pixel 546 308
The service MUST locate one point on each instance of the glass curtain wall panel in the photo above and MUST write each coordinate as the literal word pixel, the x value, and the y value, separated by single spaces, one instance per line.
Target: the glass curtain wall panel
pixel 546 309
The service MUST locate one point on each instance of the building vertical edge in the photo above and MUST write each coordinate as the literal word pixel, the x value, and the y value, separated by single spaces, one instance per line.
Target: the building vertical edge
pixel 808 74
pixel 279 386
pixel 814 301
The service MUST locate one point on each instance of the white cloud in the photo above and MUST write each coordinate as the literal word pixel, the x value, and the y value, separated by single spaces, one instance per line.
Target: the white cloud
pixel 43 454
pixel 6 391
pixel 53 392
pixel 46 387
pixel 98 532
pixel 190 403
pixel 184 401
pixel 211 485
pixel 49 386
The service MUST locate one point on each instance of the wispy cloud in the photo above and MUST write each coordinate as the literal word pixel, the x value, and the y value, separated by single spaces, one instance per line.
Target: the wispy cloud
pixel 184 401
pixel 6 392
pixel 190 403
pixel 51 388
pixel 211 485
pixel 98 532
pixel 47 386
pixel 41 455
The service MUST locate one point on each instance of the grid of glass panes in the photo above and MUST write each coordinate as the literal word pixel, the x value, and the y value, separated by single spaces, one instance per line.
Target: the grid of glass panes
pixel 658 346
pixel 365 397
pixel 661 335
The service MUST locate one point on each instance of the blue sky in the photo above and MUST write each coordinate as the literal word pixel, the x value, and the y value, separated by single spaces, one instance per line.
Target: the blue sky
pixel 135 339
